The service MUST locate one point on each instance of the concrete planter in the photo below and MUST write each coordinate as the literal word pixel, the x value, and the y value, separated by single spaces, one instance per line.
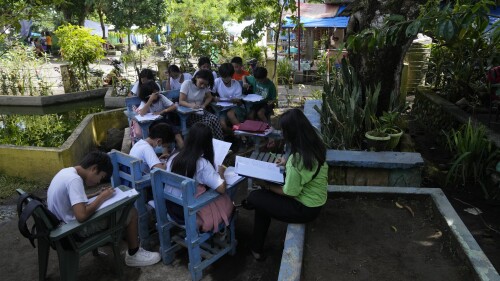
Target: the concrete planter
pixel 51 100
pixel 113 102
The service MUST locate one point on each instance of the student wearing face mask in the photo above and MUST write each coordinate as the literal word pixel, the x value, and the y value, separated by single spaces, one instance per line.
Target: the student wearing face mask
pixel 160 134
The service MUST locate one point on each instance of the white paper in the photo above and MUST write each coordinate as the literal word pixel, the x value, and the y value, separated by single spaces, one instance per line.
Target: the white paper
pixel 117 196
pixel 245 133
pixel 252 97
pixel 146 117
pixel 231 176
pixel 221 148
pixel 224 104
pixel 258 169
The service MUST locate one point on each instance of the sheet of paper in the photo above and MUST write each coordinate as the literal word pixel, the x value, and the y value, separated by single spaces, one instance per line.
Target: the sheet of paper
pixel 252 97
pixel 231 176
pixel 221 148
pixel 258 169
pixel 117 196
pixel 146 117
pixel 224 104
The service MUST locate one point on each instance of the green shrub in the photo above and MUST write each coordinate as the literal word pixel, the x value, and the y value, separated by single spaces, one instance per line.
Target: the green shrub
pixel 474 157
pixel 285 72
pixel 80 48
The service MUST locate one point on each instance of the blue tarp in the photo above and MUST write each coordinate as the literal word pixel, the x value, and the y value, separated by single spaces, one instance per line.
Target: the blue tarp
pixel 494 16
pixel 340 22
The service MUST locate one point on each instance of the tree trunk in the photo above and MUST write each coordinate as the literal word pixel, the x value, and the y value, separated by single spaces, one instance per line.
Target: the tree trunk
pixel 383 65
pixel 276 41
pixel 101 20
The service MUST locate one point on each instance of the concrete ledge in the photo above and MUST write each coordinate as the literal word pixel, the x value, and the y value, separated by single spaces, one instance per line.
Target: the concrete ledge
pixel 312 114
pixel 291 262
pixel 50 100
pixel 113 102
pixel 42 163
pixel 371 159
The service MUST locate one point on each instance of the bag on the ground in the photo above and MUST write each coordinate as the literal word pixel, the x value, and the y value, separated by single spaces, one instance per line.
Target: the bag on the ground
pixel 253 126
pixel 26 206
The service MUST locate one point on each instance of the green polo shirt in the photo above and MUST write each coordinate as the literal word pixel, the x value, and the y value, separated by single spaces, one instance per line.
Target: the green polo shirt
pixel 267 89
pixel 298 183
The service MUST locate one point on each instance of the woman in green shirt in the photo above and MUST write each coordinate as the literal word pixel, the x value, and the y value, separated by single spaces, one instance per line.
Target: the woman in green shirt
pixel 304 193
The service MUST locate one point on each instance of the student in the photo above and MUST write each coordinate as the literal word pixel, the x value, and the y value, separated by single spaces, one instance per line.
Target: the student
pixel 239 72
pixel 229 89
pixel 304 192
pixel 263 86
pixel 145 76
pixel 196 94
pixel 175 78
pixel 160 134
pixel 154 102
pixel 196 161
pixel 48 42
pixel 204 63
pixel 66 198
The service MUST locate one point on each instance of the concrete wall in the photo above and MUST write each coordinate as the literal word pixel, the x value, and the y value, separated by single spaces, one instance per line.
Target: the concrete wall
pixel 49 100
pixel 41 164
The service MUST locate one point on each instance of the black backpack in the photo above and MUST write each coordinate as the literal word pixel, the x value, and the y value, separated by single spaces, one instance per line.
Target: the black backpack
pixel 45 221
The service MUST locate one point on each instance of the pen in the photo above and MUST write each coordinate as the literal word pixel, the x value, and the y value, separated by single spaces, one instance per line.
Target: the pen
pixel 223 166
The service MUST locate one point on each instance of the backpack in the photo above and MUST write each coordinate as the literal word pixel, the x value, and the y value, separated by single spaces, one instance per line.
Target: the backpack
pixel 27 204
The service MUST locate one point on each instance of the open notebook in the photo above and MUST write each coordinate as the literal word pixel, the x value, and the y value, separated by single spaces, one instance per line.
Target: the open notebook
pixel 117 196
pixel 259 170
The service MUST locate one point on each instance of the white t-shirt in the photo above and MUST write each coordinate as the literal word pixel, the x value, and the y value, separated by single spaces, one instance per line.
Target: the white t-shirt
pixel 66 190
pixel 231 92
pixel 160 104
pixel 144 151
pixel 205 174
pixel 193 93
pixel 135 88
pixel 175 84
pixel 213 73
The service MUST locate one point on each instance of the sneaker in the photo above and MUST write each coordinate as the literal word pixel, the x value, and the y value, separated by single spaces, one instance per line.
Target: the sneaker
pixel 142 258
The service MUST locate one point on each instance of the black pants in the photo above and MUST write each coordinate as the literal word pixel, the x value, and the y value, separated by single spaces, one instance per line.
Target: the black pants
pixel 269 205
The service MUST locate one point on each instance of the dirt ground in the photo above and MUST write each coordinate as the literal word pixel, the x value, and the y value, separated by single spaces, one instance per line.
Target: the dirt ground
pixel 373 239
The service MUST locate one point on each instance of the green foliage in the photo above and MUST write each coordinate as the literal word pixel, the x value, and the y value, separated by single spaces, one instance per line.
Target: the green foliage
pixel 246 51
pixel 21 73
pixel 50 130
pixel 9 184
pixel 474 157
pixel 80 48
pixel 143 13
pixel 199 25
pixel 285 72
pixel 345 116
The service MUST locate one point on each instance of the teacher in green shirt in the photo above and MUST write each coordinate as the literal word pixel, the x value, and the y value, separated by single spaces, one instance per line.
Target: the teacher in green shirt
pixel 304 193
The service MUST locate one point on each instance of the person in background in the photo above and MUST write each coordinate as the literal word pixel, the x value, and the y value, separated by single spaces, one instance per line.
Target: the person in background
pixel 204 63
pixel 196 94
pixel 66 198
pixel 48 42
pixel 264 87
pixel 175 78
pixel 145 76
pixel 38 47
pixel 239 72
pixel 229 90
pixel 304 192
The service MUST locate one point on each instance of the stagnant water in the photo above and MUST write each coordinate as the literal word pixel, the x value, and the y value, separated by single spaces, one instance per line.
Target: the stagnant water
pixel 44 126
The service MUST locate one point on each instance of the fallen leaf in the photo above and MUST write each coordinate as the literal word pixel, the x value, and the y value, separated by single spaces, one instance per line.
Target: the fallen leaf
pixel 409 210
pixel 394 228
pixel 436 235
pixel 399 205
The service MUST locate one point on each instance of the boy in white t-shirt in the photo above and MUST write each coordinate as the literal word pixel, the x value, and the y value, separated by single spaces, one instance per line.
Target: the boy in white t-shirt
pixel 66 198
pixel 228 89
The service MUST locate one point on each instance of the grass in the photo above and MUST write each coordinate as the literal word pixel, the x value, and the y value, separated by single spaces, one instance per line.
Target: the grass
pixel 9 184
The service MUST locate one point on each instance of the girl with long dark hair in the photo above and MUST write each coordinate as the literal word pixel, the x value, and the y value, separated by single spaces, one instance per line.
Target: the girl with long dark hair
pixel 304 192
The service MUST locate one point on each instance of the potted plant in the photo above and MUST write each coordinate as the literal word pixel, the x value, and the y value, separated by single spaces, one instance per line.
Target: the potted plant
pixel 377 139
pixel 389 122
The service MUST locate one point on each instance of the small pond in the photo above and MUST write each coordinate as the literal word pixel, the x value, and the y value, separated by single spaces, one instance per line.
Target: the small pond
pixel 47 126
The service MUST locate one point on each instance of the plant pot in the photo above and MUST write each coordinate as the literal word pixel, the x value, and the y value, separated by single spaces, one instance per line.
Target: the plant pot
pixel 377 140
pixel 395 135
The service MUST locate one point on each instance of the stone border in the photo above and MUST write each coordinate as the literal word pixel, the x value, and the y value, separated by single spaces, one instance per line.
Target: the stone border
pixel 50 100
pixel 113 102
pixel 291 260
